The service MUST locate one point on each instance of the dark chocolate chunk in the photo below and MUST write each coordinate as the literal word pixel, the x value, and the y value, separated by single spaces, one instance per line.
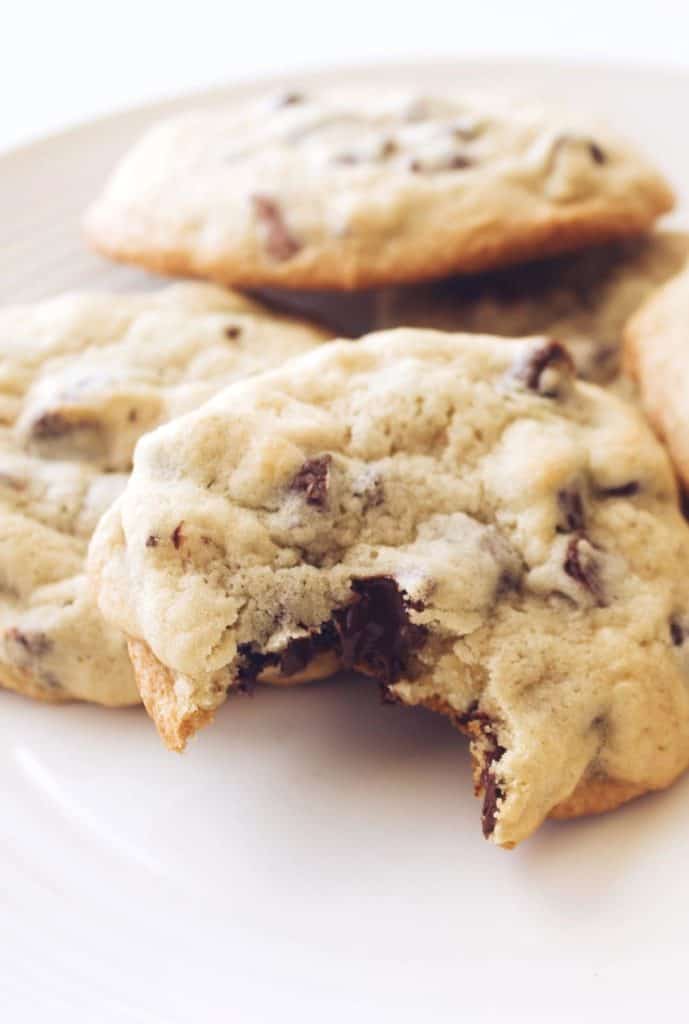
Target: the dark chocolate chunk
pixel 280 243
pixel 232 332
pixel 372 633
pixel 152 540
pixel 177 537
pixel 581 565
pixel 33 642
pixel 676 633
pixel 313 479
pixel 376 634
pixel 544 367
pixel 627 490
pixel 295 657
pixel 571 508
pixel 597 153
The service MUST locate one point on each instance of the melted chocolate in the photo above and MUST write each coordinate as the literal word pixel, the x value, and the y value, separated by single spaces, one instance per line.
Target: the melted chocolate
pixel 152 541
pixel 177 537
pixel 232 331
pixel 313 479
pixel 371 633
pixel 376 634
pixel 280 244
pixel 294 658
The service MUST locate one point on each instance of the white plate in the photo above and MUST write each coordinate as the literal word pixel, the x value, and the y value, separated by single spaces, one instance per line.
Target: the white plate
pixel 315 856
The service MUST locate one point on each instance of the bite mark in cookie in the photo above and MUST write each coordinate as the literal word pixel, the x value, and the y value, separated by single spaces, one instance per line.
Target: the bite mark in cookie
pixel 493 580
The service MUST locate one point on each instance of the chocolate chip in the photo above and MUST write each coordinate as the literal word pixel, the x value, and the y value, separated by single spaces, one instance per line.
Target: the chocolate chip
pixel 492 791
pixel 177 537
pixel 294 658
pixel 376 634
pixel 595 151
pixel 313 479
pixel 232 332
pixel 388 148
pixel 453 162
pixel 34 643
pixel 280 244
pixel 627 490
pixel 597 154
pixel 544 368
pixel 582 566
pixel 571 509
pixel 481 728
pixel 676 633
pixel 152 540
pixel 132 416
pixel 372 633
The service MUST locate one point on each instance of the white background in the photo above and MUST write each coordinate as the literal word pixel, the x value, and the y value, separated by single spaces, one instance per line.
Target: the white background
pixel 61 62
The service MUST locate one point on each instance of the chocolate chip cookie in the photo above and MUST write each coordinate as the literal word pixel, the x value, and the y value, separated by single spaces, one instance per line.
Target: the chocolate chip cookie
pixel 455 516
pixel 584 299
pixel 81 378
pixel 657 354
pixel 350 189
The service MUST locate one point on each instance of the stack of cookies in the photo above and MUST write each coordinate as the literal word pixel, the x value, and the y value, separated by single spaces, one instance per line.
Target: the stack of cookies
pixel 477 505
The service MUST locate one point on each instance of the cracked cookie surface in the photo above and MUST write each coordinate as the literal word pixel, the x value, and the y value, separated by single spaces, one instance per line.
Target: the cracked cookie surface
pixel 456 516
pixel 350 189
pixel 81 378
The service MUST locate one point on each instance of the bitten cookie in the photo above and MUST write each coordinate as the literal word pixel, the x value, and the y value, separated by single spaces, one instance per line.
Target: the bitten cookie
pixel 456 516
pixel 584 299
pixel 657 354
pixel 81 378
pixel 353 189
